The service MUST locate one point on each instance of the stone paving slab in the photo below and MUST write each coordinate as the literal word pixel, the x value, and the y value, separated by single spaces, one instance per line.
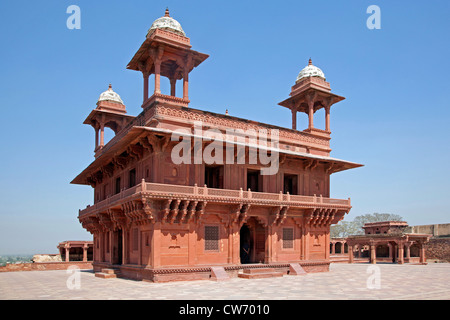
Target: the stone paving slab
pixel 343 282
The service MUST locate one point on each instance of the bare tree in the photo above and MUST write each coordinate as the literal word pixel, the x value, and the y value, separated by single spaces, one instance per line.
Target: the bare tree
pixel 347 228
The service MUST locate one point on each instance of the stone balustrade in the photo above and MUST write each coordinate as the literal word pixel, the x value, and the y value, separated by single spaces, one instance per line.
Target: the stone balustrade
pixel 211 195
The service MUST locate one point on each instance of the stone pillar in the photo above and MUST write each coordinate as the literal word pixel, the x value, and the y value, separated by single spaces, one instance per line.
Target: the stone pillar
pixel 186 84
pixel 373 254
pixel 350 254
pixel 96 136
pixel 311 114
pixel 333 248
pixel 85 247
pixel 422 253
pixel 102 134
pixel 327 118
pixel 145 75
pixel 408 251
pixel 157 76
pixel 67 247
pixel 359 251
pixel 173 83
pixel 294 119
pixel 400 253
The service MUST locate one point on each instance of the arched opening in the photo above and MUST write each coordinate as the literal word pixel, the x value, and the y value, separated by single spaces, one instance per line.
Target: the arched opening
pixel 414 251
pixel 246 244
pixel 382 251
pixel 338 247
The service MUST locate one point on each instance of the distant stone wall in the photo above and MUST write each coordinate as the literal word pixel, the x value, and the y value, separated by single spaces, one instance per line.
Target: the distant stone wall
pixel 437 230
pixel 45 266
pixel 47 258
pixel 438 249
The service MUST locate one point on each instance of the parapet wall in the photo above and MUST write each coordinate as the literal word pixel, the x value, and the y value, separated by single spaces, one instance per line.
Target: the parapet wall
pixel 437 230
pixel 45 266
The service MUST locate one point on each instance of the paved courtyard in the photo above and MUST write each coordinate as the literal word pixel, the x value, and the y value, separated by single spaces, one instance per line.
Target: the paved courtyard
pixel 344 281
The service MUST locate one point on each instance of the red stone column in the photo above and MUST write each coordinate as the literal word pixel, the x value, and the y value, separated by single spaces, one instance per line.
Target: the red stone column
pixel 390 250
pixel 294 119
pixel 67 247
pixel 373 254
pixel 173 83
pixel 85 247
pixel 350 254
pixel 145 75
pixel 327 118
pixel 310 114
pixel 157 76
pixel 96 136
pixel 422 253
pixel 400 253
pixel 186 84
pixel 102 134
pixel 408 251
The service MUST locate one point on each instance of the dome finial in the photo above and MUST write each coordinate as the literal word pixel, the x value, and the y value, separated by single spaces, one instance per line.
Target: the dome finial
pixel 310 62
pixel 110 86
pixel 167 12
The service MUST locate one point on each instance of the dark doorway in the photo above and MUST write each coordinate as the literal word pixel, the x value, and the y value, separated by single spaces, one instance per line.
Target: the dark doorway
pixel 117 249
pixel 214 177
pixel 246 244
pixel 290 183
pixel 132 178
pixel 254 180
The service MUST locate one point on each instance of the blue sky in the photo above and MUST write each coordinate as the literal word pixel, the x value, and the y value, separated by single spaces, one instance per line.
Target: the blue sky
pixel 395 118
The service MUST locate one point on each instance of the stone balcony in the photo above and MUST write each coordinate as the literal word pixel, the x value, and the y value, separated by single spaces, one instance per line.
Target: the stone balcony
pixel 322 208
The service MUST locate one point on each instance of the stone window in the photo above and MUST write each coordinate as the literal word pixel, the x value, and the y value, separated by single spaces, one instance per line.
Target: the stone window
pixel 117 185
pixel 211 238
pixel 254 180
pixel 214 177
pixel 290 184
pixel 288 238
pixel 132 178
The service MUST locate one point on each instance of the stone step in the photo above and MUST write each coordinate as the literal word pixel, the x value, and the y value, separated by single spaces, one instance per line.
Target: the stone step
pixel 105 275
pixel 258 270
pixel 110 271
pixel 260 275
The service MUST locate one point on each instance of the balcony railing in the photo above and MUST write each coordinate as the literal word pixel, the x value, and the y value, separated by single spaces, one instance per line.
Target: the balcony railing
pixel 169 191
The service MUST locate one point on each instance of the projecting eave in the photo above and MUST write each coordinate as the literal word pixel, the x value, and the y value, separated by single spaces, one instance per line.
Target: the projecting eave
pixel 297 100
pixel 95 112
pixel 341 165
pixel 137 132
pixel 108 153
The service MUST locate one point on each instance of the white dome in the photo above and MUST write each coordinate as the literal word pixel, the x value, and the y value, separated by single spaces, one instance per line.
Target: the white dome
pixel 310 71
pixel 110 95
pixel 166 23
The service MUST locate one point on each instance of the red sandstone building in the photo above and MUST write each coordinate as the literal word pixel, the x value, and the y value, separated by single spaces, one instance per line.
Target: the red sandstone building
pixel 156 219
pixel 388 241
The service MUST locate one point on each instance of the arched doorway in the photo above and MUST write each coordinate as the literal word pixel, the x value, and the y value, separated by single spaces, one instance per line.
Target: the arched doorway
pixel 253 237
pixel 246 244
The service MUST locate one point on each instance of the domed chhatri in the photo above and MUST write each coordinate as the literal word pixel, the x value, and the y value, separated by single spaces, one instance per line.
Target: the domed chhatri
pixel 166 23
pixel 310 71
pixel 110 95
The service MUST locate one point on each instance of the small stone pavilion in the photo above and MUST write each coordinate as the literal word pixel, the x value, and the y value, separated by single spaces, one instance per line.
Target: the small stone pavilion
pixel 387 241
pixel 76 250
pixel 158 219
